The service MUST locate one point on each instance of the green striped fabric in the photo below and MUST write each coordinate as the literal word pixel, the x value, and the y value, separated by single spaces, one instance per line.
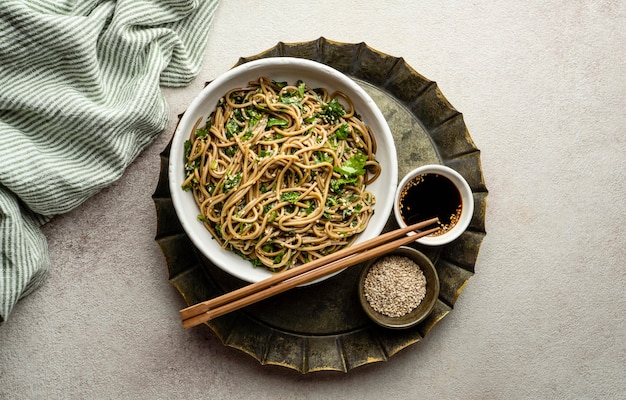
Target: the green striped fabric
pixel 79 99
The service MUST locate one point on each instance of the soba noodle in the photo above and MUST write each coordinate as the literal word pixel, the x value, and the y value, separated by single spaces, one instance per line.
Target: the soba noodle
pixel 280 171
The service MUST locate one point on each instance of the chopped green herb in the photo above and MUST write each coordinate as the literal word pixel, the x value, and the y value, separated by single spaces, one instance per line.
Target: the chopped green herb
pixel 231 182
pixel 187 148
pixel 232 128
pixel 203 218
pixel 322 156
pixel 291 197
pixel 280 84
pixel 331 201
pixel 265 153
pixel 237 98
pixel 355 165
pixel 190 165
pixel 301 88
pixel 348 212
pixel 279 257
pixel 332 111
pixel 231 151
pixel 289 98
pixel 310 207
pixel 254 116
pixel 248 135
pixel 276 121
pixel 336 185
pixel 342 133
pixel 239 115
pixel 218 230
pixel 200 133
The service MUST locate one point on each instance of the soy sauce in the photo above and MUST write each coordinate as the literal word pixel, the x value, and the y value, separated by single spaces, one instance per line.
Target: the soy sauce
pixel 429 196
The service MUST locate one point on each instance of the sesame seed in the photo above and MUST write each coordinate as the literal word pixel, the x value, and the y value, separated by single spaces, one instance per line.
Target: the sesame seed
pixel 394 286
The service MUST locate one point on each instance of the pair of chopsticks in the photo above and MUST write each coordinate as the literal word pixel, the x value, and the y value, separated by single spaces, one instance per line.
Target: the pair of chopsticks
pixel 282 281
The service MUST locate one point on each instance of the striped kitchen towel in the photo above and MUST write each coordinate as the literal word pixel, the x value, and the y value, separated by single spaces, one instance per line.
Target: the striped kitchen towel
pixel 79 99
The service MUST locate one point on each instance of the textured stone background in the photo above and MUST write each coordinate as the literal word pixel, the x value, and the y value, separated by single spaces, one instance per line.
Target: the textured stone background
pixel 542 89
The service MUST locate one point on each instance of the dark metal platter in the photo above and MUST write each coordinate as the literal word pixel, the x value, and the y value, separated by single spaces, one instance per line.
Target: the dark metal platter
pixel 322 327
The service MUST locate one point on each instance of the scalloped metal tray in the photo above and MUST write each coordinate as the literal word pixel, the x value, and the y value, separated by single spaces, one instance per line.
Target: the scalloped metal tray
pixel 322 327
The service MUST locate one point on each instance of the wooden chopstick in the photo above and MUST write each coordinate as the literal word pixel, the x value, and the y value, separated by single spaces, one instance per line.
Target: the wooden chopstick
pixel 308 272
pixel 303 278
pixel 281 276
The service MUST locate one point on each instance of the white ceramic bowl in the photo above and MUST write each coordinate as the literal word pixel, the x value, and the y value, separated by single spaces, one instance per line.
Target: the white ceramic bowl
pixel 465 192
pixel 290 70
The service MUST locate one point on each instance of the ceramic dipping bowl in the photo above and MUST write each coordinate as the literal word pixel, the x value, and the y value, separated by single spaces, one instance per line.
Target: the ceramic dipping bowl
pixel 378 292
pixel 435 191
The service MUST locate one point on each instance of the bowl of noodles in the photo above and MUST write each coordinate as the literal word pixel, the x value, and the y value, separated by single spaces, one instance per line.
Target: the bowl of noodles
pixel 280 161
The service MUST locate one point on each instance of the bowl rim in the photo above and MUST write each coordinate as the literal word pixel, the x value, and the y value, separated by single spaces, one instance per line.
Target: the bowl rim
pixel 466 195
pixel 432 285
pixel 275 66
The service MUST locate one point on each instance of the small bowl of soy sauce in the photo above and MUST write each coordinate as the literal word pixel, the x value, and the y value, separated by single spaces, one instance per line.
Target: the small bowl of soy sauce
pixel 435 191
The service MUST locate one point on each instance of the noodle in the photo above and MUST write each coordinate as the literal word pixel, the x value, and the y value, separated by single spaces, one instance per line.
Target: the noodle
pixel 279 173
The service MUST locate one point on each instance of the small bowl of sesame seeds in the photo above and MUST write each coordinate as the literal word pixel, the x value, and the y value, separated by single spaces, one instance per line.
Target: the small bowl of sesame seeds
pixel 399 289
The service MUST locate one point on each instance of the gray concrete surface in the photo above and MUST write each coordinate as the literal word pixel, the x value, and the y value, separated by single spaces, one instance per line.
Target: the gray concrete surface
pixel 542 87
